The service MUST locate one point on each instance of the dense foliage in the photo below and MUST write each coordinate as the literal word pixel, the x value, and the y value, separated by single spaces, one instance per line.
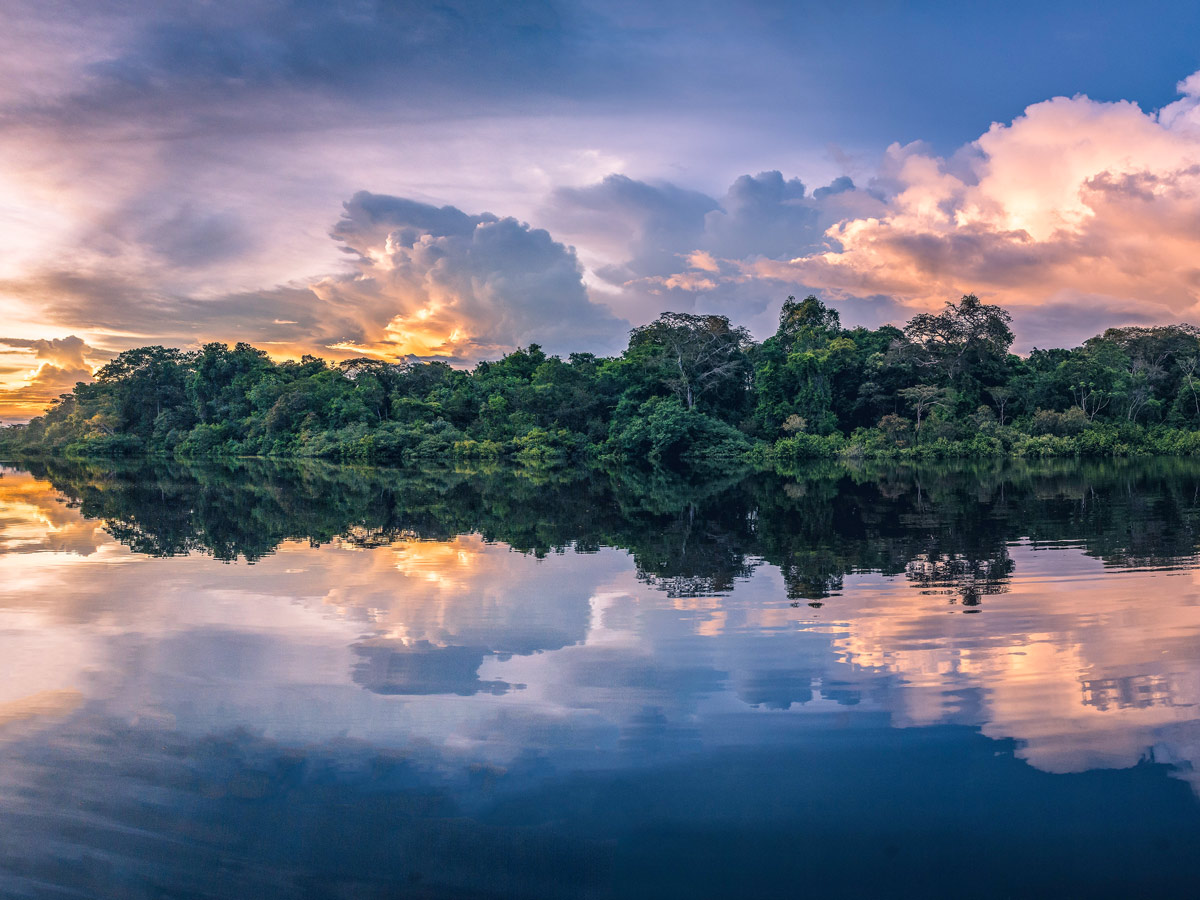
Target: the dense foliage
pixel 689 393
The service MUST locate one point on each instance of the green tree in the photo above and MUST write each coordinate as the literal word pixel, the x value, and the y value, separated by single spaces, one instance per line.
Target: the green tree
pixel 968 340
pixel 222 379
pixel 143 391
pixel 923 398
pixel 797 368
pixel 694 356
pixel 1095 376
pixel 807 324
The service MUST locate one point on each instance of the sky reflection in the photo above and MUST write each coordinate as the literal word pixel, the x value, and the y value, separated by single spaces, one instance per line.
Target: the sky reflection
pixel 487 676
pixel 473 647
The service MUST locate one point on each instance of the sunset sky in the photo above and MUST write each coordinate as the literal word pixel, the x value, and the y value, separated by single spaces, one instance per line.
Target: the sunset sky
pixel 454 179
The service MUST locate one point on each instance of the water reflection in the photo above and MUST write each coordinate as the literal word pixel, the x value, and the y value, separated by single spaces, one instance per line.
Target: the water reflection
pixel 456 648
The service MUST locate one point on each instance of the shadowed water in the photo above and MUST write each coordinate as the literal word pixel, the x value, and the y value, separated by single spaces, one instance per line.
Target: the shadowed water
pixel 264 680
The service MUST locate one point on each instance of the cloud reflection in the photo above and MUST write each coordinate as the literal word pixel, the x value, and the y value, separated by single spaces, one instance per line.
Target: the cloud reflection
pixel 1083 666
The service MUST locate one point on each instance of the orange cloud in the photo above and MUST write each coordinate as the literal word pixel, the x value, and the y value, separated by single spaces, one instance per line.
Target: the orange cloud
pixel 438 282
pixel 28 385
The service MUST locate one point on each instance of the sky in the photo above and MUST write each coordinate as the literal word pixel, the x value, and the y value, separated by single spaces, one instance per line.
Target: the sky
pixel 455 179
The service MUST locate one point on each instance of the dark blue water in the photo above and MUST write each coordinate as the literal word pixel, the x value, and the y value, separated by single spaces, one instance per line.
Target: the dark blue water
pixel 262 681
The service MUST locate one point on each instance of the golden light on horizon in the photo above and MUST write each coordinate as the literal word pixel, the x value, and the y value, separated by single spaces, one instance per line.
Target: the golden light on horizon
pixel 425 334
pixel 27 392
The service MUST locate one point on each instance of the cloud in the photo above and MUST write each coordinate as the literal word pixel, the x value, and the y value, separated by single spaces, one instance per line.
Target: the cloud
pixel 1079 214
pixel 66 353
pixel 164 61
pixel 422 280
pixel 195 149
pixel 393 667
pixel 656 246
pixel 766 215
pixel 639 227
pixel 436 281
pixel 60 363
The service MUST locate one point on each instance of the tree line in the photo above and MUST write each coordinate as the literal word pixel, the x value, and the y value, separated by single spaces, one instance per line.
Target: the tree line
pixel 689 393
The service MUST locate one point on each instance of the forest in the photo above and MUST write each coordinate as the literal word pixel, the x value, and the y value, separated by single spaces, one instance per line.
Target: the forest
pixel 690 393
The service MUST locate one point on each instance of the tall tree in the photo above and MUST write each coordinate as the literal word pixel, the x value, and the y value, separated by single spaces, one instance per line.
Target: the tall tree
pixel 141 384
pixel 807 324
pixel 693 355
pixel 796 368
pixel 968 337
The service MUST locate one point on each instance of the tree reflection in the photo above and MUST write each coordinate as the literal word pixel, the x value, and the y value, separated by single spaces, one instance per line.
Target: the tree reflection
pixel 944 528
pixel 966 580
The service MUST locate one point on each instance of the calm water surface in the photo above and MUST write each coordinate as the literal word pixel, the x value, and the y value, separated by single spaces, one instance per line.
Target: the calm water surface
pixel 308 682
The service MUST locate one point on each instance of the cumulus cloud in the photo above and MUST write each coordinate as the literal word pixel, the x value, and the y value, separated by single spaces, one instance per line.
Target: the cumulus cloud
pixel 1079 214
pixel 656 246
pixel 425 281
pixel 64 353
pixel 638 227
pixel 438 282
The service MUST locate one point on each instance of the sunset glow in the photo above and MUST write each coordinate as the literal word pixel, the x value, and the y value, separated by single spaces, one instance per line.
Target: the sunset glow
pixel 151 194
pixel 599 449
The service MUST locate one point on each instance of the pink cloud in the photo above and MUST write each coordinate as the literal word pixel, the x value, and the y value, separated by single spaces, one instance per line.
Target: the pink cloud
pixel 1076 203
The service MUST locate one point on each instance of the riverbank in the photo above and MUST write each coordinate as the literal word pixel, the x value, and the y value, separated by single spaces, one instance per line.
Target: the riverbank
pixel 548 450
